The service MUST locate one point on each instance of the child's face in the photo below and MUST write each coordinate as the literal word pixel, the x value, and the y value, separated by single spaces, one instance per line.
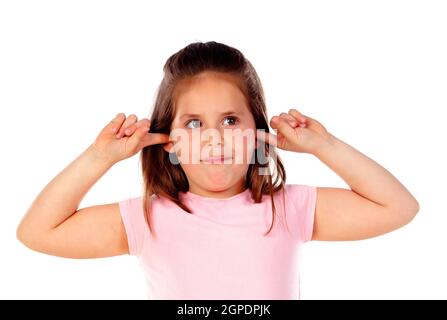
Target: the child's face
pixel 212 121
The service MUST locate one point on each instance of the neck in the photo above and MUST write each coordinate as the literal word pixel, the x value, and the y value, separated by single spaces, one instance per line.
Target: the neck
pixel 220 194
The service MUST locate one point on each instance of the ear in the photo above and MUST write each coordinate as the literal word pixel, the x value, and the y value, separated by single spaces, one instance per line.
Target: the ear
pixel 169 147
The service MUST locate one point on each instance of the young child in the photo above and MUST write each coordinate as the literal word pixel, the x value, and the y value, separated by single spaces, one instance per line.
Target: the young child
pixel 216 219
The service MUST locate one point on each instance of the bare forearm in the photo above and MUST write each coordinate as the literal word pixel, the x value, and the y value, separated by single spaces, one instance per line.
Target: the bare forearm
pixel 363 175
pixel 62 195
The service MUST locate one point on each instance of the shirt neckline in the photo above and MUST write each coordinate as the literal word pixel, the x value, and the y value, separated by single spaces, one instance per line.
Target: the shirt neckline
pixel 196 196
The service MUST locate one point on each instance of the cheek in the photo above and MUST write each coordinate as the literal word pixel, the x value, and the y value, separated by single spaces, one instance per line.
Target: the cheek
pixel 187 150
pixel 191 170
pixel 244 145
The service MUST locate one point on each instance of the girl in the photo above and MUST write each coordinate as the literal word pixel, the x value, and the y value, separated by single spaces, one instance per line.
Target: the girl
pixel 207 226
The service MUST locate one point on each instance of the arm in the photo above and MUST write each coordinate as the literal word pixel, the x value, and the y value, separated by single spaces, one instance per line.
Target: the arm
pixel 377 202
pixel 54 225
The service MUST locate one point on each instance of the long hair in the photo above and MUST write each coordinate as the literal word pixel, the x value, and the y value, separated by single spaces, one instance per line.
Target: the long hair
pixel 163 178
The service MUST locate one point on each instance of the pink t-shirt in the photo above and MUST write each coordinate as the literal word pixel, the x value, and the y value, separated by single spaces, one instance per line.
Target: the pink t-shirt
pixel 219 251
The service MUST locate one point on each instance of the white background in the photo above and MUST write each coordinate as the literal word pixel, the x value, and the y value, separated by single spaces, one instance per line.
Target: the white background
pixel 373 72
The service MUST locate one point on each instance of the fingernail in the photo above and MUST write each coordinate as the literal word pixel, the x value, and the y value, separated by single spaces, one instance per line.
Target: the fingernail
pixel 127 131
pixel 114 129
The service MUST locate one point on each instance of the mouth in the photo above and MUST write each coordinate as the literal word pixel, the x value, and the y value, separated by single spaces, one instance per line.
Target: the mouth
pixel 216 160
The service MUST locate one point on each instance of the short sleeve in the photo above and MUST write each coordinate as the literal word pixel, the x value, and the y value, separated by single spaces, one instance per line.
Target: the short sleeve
pixel 134 222
pixel 301 209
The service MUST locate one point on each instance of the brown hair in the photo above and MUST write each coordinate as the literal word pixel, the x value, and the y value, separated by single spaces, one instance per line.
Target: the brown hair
pixel 161 176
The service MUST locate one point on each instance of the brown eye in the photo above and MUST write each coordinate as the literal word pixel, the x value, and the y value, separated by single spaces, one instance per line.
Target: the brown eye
pixel 233 121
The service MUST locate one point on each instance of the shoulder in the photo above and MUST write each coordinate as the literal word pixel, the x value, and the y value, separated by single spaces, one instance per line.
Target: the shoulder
pixel 295 187
pixel 130 202
pixel 133 208
pixel 133 216
pixel 301 203
pixel 135 204
pixel 299 198
pixel 300 192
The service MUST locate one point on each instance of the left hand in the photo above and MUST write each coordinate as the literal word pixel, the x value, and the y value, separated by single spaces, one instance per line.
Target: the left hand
pixel 297 132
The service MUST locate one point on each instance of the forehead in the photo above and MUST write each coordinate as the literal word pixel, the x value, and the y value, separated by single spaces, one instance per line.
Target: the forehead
pixel 209 92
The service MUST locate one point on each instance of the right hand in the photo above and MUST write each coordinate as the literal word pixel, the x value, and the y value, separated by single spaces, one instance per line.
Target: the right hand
pixel 123 137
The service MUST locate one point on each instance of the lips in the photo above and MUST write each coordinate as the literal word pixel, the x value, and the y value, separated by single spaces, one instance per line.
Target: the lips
pixel 220 159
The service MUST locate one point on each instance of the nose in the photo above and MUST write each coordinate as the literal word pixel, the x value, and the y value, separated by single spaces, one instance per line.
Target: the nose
pixel 211 143
pixel 213 137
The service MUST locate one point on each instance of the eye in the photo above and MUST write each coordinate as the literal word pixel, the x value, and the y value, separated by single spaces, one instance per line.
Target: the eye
pixel 192 121
pixel 233 120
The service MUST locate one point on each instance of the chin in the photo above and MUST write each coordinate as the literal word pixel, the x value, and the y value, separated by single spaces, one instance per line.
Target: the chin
pixel 218 187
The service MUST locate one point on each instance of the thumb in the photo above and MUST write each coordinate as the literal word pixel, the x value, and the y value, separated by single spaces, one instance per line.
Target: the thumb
pixel 266 137
pixel 149 139
pixel 283 127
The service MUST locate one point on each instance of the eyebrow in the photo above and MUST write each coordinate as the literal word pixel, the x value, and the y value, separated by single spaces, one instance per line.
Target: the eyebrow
pixel 192 115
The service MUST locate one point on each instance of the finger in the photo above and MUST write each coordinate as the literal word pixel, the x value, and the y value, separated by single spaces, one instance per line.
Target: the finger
pixel 308 122
pixel 149 139
pixel 267 137
pixel 131 129
pixel 292 121
pixel 297 115
pixel 137 137
pixel 304 121
pixel 283 127
pixel 131 119
pixel 116 122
